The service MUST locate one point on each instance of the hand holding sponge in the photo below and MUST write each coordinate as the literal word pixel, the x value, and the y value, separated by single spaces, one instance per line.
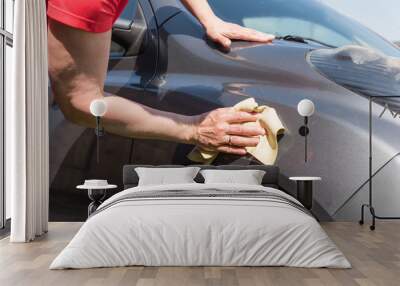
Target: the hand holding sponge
pixel 267 149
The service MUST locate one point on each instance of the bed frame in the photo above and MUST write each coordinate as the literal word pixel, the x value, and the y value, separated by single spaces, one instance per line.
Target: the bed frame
pixel 131 179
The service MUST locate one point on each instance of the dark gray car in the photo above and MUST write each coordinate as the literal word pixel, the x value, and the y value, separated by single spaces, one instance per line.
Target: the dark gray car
pixel 160 57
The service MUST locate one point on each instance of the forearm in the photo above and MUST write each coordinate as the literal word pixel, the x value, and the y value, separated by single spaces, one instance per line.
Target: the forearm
pixel 201 10
pixel 131 119
pixel 127 118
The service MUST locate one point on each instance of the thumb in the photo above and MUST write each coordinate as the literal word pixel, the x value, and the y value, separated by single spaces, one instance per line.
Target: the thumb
pixel 223 41
pixel 219 39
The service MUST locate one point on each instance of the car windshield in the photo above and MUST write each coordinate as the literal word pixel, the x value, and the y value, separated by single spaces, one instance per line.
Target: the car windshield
pixel 309 19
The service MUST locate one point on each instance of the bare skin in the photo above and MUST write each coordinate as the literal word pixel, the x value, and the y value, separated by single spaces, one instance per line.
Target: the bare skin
pixel 77 68
pixel 223 32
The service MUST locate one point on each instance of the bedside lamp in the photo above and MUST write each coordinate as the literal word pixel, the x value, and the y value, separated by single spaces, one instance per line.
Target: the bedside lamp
pixel 98 108
pixel 306 109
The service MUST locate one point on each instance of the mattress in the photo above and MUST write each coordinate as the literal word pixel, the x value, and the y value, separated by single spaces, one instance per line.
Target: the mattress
pixel 201 225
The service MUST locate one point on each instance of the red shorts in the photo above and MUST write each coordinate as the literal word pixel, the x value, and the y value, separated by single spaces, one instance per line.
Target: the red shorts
pixel 94 16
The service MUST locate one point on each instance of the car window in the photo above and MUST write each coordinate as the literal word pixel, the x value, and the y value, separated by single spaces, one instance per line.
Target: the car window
pixel 287 26
pixel 305 18
pixel 123 34
pixel 125 19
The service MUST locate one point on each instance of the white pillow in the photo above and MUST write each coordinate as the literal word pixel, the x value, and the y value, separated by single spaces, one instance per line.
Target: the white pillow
pixel 248 177
pixel 164 176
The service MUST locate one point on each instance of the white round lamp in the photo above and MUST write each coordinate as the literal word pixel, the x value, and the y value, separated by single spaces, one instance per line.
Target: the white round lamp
pixel 306 109
pixel 98 108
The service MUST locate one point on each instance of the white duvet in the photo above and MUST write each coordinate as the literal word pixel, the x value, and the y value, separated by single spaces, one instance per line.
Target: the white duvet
pixel 200 231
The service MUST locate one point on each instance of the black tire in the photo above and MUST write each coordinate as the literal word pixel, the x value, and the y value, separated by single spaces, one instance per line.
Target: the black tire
pixel 372 227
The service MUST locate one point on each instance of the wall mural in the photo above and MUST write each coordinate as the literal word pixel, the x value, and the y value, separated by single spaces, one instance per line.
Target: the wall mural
pixel 171 68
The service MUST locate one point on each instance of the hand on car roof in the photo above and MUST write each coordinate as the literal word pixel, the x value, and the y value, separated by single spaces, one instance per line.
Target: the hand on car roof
pixel 220 31
pixel 223 32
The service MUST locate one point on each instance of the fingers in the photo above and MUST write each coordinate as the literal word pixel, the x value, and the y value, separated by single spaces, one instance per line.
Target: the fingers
pixel 238 32
pixel 222 130
pixel 237 145
pixel 246 34
pixel 240 141
pixel 232 150
pixel 223 32
pixel 242 130
pixel 239 117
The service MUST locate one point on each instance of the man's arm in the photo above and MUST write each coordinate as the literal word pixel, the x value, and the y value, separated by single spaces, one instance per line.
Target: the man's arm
pixel 77 67
pixel 220 31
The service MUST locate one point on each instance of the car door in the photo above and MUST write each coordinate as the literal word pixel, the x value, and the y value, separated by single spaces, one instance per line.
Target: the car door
pixel 132 75
pixel 138 60
pixel 133 51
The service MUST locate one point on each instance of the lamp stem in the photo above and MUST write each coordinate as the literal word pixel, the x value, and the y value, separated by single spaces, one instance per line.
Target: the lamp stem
pixel 305 138
pixel 98 138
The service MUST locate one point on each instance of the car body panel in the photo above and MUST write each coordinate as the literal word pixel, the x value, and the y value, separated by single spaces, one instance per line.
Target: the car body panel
pixel 164 9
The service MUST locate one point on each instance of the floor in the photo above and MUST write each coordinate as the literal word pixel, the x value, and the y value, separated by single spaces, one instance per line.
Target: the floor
pixel 375 257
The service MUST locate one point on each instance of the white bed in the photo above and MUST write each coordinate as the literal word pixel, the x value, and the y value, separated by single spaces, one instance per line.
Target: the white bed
pixel 269 229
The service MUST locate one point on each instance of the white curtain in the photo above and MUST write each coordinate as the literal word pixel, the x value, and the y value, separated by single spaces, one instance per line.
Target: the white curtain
pixel 27 124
